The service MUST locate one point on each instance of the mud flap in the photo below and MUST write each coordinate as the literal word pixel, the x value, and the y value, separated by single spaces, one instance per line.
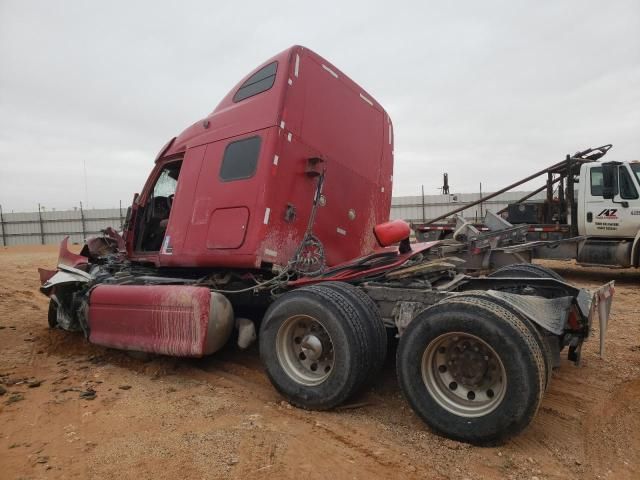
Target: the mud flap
pixel 602 299
pixel 551 314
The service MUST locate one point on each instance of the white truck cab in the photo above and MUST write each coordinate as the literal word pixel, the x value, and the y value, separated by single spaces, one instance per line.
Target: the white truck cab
pixel 608 214
pixel 591 216
pixel 609 207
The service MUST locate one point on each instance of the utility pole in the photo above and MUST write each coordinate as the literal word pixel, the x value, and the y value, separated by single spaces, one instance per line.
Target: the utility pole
pixel 84 234
pixel 41 224
pixel 4 239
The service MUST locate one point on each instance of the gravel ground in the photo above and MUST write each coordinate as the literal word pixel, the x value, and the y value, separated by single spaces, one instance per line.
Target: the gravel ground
pixel 72 410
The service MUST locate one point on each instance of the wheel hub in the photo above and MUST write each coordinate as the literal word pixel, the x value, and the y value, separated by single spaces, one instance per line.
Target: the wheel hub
pixel 468 363
pixel 464 374
pixel 311 346
pixel 305 350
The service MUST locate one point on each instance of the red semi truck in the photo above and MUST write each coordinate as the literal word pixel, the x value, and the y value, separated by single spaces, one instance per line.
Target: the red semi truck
pixel 271 212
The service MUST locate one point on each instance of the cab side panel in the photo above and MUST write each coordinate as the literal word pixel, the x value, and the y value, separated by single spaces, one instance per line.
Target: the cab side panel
pixel 327 115
pixel 224 222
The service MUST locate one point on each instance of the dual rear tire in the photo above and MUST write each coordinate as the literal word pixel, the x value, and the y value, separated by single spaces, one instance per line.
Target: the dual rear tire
pixel 471 368
pixel 321 344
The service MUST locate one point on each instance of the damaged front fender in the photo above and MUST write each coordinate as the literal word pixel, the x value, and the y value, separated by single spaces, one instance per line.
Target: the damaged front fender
pixel 64 276
pixel 71 269
pixel 67 258
pixel 66 287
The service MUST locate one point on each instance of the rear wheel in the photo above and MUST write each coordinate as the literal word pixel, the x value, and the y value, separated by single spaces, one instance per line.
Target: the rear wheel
pixel 472 370
pixel 315 347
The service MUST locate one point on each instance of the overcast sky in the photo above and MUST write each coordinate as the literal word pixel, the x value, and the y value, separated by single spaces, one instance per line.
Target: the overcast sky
pixel 488 91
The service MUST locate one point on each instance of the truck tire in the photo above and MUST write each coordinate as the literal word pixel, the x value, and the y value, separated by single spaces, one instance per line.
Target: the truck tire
pixel 315 347
pixel 472 370
pixel 536 331
pixel 526 270
pixel 52 314
pixel 374 325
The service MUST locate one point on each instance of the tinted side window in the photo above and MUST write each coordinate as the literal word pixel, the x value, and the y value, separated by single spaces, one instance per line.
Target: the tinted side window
pixel 240 159
pixel 627 188
pixel 635 168
pixel 596 181
pixel 259 82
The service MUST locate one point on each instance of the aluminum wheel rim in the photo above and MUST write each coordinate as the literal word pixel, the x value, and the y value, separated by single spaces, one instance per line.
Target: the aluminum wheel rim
pixel 463 374
pixel 305 350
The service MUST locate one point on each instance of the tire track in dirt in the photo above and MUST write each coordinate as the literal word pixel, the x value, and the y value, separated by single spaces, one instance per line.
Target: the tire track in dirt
pixel 309 424
pixel 613 431
pixel 558 432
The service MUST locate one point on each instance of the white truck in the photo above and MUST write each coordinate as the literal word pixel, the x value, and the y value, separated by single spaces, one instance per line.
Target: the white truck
pixel 608 217
pixel 591 214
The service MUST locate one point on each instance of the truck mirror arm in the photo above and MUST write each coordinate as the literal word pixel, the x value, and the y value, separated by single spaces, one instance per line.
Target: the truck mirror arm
pixel 612 197
pixel 609 194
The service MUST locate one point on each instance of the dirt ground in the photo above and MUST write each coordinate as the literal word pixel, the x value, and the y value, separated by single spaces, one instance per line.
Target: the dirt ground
pixel 219 417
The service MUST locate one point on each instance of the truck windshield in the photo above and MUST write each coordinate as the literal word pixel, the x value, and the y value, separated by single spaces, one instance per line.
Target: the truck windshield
pixel 636 169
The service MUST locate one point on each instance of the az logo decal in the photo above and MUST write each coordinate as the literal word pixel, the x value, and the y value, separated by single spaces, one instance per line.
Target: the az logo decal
pixel 608 213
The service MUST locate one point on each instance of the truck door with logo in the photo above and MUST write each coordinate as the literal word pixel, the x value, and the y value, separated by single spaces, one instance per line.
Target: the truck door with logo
pixel 612 217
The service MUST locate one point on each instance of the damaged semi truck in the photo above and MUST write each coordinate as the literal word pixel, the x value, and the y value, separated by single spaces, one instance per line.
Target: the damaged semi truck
pixel 271 214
